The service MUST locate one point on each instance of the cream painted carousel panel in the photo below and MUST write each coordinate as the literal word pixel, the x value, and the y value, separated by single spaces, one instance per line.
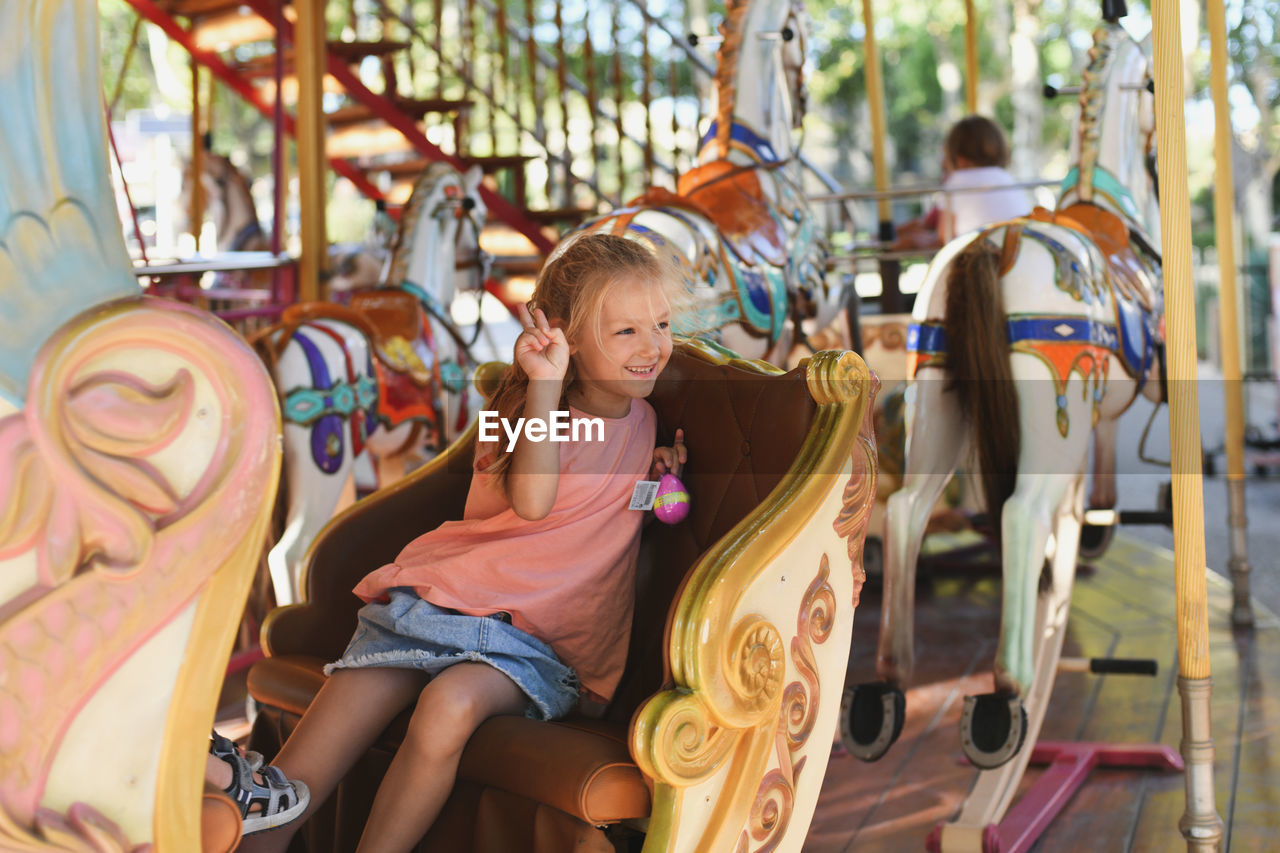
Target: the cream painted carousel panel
pixel 135 436
pixel 760 642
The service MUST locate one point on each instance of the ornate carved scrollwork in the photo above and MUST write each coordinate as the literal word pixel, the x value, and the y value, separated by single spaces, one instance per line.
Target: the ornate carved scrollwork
pixel 727 744
pixel 688 748
pixel 756 664
pixel 837 377
pixel 150 431
pixel 859 494
pixel 775 797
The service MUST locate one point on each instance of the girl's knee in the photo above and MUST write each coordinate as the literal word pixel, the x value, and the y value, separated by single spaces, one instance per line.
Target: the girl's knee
pixel 444 719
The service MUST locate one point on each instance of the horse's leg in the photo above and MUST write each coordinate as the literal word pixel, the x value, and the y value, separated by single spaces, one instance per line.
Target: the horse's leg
pixel 313 498
pixel 1102 494
pixel 1094 538
pixel 994 789
pixel 993 726
pixel 936 440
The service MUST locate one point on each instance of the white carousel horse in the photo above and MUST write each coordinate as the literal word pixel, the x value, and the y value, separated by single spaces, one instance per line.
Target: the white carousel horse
pixel 1025 336
pixel 739 226
pixel 390 374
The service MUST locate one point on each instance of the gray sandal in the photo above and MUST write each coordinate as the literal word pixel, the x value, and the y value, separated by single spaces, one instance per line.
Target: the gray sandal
pixel 278 800
pixel 222 747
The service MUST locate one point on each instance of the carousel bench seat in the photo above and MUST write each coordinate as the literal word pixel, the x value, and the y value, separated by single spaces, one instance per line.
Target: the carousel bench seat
pixel 593 778
pixel 576 783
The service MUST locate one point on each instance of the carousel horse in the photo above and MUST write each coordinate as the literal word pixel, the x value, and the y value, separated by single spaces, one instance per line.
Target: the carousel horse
pixel 1027 336
pixel 390 373
pixel 235 217
pixel 738 226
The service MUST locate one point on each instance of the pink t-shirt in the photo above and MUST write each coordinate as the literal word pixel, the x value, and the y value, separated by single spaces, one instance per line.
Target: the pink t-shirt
pixel 568 579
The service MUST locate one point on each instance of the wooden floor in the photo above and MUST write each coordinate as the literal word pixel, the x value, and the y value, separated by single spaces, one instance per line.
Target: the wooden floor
pixel 1122 607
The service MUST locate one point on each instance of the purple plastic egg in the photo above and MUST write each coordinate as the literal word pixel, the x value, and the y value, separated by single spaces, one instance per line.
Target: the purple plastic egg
pixel 672 503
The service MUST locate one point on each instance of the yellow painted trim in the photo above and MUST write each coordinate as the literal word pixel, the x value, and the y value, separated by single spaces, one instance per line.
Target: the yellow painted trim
pixel 180 782
pixel 713 353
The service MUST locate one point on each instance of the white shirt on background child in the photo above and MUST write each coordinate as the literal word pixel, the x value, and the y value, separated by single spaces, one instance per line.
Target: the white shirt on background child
pixel 977 209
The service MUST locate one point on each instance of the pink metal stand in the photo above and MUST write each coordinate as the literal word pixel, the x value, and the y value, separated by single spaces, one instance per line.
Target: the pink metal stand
pixel 1069 764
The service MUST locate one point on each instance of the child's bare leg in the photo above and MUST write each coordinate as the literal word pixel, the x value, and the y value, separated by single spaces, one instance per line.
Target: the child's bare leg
pixel 217 772
pixel 347 715
pixel 421 775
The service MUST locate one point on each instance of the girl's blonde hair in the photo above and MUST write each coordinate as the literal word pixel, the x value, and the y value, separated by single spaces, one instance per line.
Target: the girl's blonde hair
pixel 571 290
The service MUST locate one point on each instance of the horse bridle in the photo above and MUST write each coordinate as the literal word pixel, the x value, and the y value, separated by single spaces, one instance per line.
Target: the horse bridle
pixel 482 261
pixel 464 208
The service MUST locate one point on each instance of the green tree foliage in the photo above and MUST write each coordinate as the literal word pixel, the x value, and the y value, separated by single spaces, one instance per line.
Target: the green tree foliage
pixel 117 27
pixel 923 56
pixel 1253 77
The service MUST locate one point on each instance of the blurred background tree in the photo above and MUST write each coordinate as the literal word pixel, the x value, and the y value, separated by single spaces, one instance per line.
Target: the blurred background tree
pixel 1022 44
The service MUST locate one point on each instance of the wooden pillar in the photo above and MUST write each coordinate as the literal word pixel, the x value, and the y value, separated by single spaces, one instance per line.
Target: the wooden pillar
pixel 196 213
pixel 1200 824
pixel 970 58
pixel 891 297
pixel 309 44
pixel 1224 207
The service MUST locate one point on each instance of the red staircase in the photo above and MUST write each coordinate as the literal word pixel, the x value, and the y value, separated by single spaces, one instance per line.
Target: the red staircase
pixel 568 117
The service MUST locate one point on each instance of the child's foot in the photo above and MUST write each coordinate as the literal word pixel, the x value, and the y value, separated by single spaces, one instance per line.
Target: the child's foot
pixel 267 800
pixel 223 746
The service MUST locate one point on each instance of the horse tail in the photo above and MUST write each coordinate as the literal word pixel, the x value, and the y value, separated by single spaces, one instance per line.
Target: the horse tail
pixel 977 338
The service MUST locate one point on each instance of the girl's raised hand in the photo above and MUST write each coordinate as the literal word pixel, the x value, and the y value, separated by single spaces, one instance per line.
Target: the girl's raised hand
pixel 541 350
pixel 669 459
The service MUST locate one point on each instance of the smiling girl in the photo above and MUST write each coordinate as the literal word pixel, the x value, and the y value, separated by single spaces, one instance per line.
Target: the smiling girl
pixel 527 601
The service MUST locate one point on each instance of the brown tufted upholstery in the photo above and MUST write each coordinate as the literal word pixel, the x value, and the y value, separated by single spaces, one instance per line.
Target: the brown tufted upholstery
pixel 525 785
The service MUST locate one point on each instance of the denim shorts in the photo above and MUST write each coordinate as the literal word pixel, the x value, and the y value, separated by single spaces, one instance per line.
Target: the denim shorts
pixel 410 633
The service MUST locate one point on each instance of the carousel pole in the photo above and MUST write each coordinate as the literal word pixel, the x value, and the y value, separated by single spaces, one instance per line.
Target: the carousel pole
pixel 1200 824
pixel 1224 205
pixel 970 58
pixel 196 213
pixel 890 296
pixel 309 35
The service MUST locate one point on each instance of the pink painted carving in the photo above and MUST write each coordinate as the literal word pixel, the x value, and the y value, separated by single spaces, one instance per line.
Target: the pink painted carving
pixel 120 551
pixel 859 493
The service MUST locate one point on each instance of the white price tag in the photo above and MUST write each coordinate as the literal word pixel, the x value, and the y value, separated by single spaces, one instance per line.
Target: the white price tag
pixel 644 494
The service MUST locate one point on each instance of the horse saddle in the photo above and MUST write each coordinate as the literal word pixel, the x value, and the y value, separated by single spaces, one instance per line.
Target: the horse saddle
pixel 1130 276
pixel 397 320
pixel 730 196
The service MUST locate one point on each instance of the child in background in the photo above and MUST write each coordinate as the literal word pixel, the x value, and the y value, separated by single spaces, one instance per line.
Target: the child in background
pixel 975 155
pixel 529 598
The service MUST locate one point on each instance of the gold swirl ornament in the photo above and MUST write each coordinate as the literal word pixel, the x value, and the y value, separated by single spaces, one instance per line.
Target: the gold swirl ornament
pixel 756 664
pixel 686 748
pixel 836 377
